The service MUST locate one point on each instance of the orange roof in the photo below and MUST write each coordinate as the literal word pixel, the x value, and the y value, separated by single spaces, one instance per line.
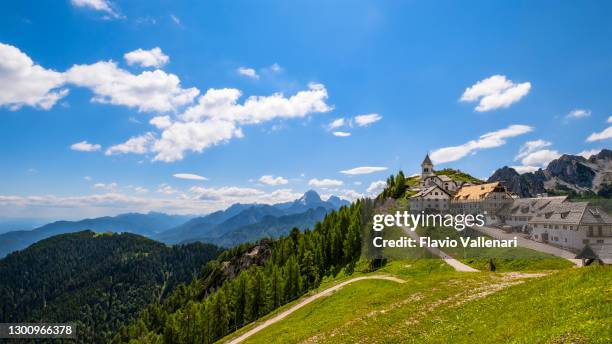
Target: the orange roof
pixel 476 192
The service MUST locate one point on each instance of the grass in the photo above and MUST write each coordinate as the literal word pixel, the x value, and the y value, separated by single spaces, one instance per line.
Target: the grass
pixel 438 305
pixel 504 259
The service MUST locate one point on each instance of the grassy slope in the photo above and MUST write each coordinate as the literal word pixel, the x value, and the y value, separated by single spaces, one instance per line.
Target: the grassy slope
pixel 505 259
pixel 573 305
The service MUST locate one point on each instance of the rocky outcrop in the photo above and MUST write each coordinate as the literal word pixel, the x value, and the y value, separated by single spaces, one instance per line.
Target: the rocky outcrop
pixel 567 173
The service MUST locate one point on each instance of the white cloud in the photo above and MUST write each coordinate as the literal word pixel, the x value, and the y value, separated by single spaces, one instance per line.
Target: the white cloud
pixel 166 189
pixel 161 122
pixel 98 5
pixel 248 72
pixel 271 180
pixel 488 140
pixel 147 58
pixel 189 176
pixel 341 133
pixel 588 153
pixel 275 67
pixel 376 187
pixel 363 170
pixel 530 147
pixel 24 83
pixel 337 123
pixel 222 104
pixel 215 119
pixel 525 169
pixel 609 119
pixel 540 157
pixel 148 91
pixel 140 189
pixel 365 120
pixel 495 92
pixel 357 183
pixel 85 146
pixel 324 182
pixel 193 136
pixel 578 113
pixel 111 186
pixel 604 135
pixel 232 194
pixel 198 201
pixel 137 145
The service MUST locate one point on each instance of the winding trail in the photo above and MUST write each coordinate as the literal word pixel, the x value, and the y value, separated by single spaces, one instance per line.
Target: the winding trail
pixel 306 301
pixel 454 263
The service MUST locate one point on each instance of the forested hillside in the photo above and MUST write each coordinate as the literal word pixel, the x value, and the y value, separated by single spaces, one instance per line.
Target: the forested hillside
pixel 99 280
pixel 251 280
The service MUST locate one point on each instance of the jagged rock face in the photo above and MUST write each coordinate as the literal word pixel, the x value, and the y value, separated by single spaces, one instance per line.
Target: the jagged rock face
pixel 525 185
pixel 572 169
pixel 258 255
pixel 567 172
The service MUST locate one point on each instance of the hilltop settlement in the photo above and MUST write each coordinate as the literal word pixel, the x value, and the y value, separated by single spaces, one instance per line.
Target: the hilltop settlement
pixel 580 227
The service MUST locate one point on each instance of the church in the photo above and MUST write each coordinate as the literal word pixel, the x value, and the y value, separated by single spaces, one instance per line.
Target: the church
pixel 429 178
pixel 434 191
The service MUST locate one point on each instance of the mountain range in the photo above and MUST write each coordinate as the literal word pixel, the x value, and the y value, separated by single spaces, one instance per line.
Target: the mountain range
pixel 243 222
pixel 566 175
pixel 234 225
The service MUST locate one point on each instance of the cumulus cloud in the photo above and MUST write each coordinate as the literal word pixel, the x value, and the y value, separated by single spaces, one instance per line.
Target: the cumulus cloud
pixel 365 120
pixel 23 83
pixel 363 170
pixel 98 5
pixel 495 92
pixel 530 147
pixel 223 104
pixel 189 176
pixel 533 156
pixel 376 187
pixel 606 134
pixel 341 133
pixel 540 157
pixel 161 122
pixel 166 189
pixel 193 136
pixel 609 119
pixel 217 116
pixel 147 58
pixel 324 182
pixel 578 113
pixel 489 140
pixel 148 91
pixel 248 72
pixel 271 180
pixel 137 145
pixel 588 153
pixel 85 146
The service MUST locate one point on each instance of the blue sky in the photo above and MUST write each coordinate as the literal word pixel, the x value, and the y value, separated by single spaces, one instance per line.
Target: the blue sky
pixel 428 76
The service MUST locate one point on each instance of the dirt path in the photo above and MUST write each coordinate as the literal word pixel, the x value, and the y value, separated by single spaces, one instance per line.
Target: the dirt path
pixel 457 265
pixel 306 301
pixel 534 245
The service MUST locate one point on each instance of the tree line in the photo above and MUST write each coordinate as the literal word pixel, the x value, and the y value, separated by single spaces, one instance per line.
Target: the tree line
pixel 197 313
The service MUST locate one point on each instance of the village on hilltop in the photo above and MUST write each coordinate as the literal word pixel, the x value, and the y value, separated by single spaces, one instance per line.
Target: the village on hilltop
pixel 579 227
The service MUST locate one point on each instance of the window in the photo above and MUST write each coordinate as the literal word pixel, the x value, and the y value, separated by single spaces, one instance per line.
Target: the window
pixel 600 241
pixel 599 231
pixel 590 231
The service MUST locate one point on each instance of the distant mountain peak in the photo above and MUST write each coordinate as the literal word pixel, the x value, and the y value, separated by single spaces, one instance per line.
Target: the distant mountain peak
pixel 310 197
